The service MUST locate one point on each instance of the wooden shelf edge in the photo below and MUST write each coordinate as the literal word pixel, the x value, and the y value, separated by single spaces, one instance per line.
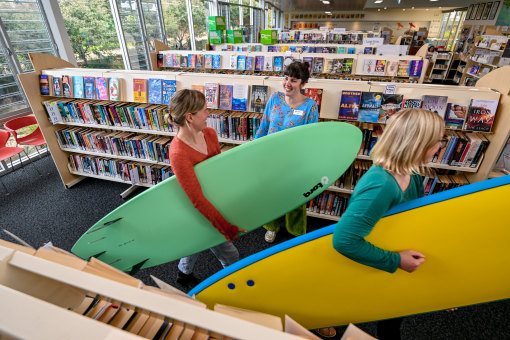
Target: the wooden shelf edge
pixel 323 216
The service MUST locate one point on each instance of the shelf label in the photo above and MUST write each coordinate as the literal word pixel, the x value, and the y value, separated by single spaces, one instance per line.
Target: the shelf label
pixel 373 41
pixel 390 89
pixel 338 29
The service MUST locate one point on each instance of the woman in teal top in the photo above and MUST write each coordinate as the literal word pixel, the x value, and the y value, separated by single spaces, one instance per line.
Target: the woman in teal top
pixel 409 141
pixel 285 110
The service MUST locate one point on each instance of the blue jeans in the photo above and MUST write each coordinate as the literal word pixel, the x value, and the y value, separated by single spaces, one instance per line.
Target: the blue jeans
pixel 226 253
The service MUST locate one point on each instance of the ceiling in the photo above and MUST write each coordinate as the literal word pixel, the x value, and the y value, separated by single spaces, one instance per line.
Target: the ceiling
pixel 359 5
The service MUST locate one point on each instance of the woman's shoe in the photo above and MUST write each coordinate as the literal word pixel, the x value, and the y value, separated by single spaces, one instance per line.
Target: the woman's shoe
pixel 327 332
pixel 270 236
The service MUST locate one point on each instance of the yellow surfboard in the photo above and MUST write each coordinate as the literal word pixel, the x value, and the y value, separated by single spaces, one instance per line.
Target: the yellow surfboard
pixel 464 234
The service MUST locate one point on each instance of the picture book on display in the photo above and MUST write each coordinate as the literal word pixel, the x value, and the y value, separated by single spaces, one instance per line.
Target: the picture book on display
pixel 268 63
pixel 315 95
pixel 67 90
pixel 89 86
pixel 169 88
pixel 233 61
pixel 258 98
pixel 411 104
pixel 177 60
pixel 140 90
pixel 208 61
pixel 435 104
pixel 114 88
pixel 259 63
pixel 184 61
pixel 211 91
pixel 57 88
pixel 318 65
pixel 240 97
pixel 226 97
pixel 391 104
pixel 169 60
pixel 415 68
pixel 44 83
pixel 369 107
pixel 192 60
pixel 160 58
pixel 380 66
pixel 249 63
pixel 328 65
pixel 241 62
pixel 216 62
pixel 455 115
pixel 403 68
pixel 155 91
pixel 349 105
pixel 347 67
pixel 391 68
pixel 481 115
pixel 78 91
pixel 337 65
pixel 369 66
pixel 101 88
pixel 278 63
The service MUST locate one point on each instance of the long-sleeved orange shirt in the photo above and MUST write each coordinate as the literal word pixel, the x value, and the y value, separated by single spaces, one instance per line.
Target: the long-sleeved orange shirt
pixel 182 159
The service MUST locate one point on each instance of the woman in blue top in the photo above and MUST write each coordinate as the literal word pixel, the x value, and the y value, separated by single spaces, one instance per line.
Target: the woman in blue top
pixel 285 110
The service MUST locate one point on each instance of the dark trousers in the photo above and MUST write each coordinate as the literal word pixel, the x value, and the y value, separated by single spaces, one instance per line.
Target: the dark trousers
pixel 389 329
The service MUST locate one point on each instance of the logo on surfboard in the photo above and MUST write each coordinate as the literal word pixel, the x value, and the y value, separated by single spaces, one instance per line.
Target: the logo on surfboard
pixel 324 181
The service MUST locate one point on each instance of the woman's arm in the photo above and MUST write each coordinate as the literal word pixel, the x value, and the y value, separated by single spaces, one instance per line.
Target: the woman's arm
pixel 312 113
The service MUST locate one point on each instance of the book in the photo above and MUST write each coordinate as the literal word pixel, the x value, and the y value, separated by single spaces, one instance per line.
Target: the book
pixel 216 61
pixel 67 90
pixel 89 86
pixel 114 88
pixel 341 50
pixel 278 64
pixel 415 68
pixel 316 96
pixel 102 88
pixel 391 104
pixel 259 63
pixel 169 88
pixel 240 97
pixel 481 115
pixel 403 68
pixel 211 91
pixel 328 65
pixel 192 60
pixel 411 104
pixel 351 50
pixel 380 67
pixel 349 105
pixel 78 90
pixel 258 98
pixel 287 61
pixel 455 115
pixel 198 88
pixel 391 68
pixel 347 66
pixel 368 50
pixel 184 61
pixel 318 65
pixel 435 104
pixel 208 61
pixel 44 83
pixel 241 62
pixel 369 66
pixel 233 61
pixel 160 58
pixel 369 107
pixel 57 88
pixel 155 91
pixel 226 97
pixel 169 60
pixel 140 90
pixel 249 64
pixel 337 66
pixel 268 63
pixel 199 61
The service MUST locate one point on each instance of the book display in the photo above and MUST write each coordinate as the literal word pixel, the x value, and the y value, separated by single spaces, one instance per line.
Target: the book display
pixel 128 141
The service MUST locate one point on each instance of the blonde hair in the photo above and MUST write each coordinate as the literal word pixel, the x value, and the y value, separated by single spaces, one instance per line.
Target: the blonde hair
pixel 407 137
pixel 182 102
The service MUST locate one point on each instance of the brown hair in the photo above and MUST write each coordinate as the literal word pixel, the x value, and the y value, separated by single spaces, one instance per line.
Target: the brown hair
pixel 182 102
pixel 298 70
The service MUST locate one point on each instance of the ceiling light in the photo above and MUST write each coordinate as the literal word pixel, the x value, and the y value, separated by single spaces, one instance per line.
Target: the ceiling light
pixel 403 9
pixel 325 2
pixel 378 1
pixel 412 7
pixel 426 9
pixel 378 10
pixel 385 7
pixel 327 12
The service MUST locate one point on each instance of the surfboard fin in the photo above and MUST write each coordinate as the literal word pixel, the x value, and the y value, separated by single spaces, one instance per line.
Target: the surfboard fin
pixel 137 267
pixel 105 225
pixel 97 255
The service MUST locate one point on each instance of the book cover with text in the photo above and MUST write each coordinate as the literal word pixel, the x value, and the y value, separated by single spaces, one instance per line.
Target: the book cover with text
pixel 380 67
pixel 455 115
pixel 435 104
pixel 140 90
pixel 211 91
pixel 348 64
pixel 241 62
pixel 328 65
pixel 278 64
pixel 369 107
pixel 391 68
pixel 102 88
pixel 169 60
pixel 268 63
pixel 249 63
pixel 155 91
pixel 337 66
pixel 411 103
pixel 199 61
pixel 259 63
pixel 226 97
pixel 78 90
pixel 192 60
pixel 240 97
pixel 481 115
pixel 169 88
pixel 67 89
pixel 369 66
pixel 57 87
pixel 233 61
pixel 114 88
pixel 89 86
pixel 315 95
pixel 208 61
pixel 44 83
pixel 391 104
pixel 403 68
pixel 258 98
pixel 216 62
pixel 349 105
pixel 415 68
pixel 318 65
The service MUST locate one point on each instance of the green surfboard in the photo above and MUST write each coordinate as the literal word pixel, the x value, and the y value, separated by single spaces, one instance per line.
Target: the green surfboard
pixel 250 185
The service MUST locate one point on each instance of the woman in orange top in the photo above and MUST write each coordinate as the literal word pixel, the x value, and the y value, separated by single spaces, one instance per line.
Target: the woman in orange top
pixel 194 143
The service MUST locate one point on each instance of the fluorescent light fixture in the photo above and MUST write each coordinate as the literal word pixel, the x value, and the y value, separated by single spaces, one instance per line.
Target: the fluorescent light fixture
pixel 434 0
pixel 378 1
pixel 325 2
pixel 327 12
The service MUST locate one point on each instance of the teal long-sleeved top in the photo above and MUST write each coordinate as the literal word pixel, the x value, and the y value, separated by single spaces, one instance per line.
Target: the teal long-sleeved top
pixel 376 192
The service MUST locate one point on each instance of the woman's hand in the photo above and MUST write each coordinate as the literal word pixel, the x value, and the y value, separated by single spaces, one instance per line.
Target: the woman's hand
pixel 410 260
pixel 231 233
pixel 236 236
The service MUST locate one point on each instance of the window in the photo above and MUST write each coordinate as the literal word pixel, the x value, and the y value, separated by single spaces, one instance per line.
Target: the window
pixel 200 10
pixel 176 24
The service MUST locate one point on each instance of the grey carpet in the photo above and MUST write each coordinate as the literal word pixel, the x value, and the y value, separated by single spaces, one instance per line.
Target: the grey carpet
pixel 40 209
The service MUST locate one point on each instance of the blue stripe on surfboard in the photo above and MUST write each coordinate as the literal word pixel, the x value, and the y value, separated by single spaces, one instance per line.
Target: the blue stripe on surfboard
pixel 424 201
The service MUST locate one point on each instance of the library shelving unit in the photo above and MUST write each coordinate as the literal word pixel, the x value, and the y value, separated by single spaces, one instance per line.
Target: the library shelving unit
pixel 492 86
pixel 45 292
pixel 440 66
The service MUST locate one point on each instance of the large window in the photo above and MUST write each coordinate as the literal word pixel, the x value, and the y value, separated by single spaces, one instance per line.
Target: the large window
pixel 450 28
pixel 176 24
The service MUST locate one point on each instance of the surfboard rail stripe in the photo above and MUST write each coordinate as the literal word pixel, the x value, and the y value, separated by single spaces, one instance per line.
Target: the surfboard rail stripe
pixel 414 204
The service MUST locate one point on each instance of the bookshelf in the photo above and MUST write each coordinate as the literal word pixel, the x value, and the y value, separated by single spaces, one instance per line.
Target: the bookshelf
pixel 43 292
pixel 329 109
pixel 440 66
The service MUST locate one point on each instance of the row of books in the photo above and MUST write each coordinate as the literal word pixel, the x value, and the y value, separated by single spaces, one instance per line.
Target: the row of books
pixel 379 107
pixel 145 147
pixel 462 149
pixel 240 126
pixel 301 49
pixel 100 88
pixel 437 182
pixel 108 113
pixel 328 203
pixel 234 97
pixel 400 68
pixel 129 171
pixel 324 37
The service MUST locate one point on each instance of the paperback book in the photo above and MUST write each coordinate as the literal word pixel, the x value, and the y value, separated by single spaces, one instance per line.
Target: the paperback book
pixel 391 104
pixel 259 63
pixel 268 64
pixel 184 61
pixel 208 61
pixel 240 97
pixel 337 66
pixel 380 67
pixel 241 62
pixel 328 65
pixel 57 88
pixel 78 91
pixel 140 90
pixel 200 61
pixel 308 60
pixel 347 66
pixel 89 86
pixel 226 97
pixel 258 98
pixel 233 61
pixel 415 68
pixel 278 64
pixel 403 68
pixel 411 104
pixel 349 105
pixel 211 91
pixel 169 60
pixel 192 60
pixel 114 88
pixel 318 65
pixel 369 66
pixel 249 63
pixel 455 115
pixel 101 88
pixel 287 61
pixel 481 115
pixel 169 88
pixel 155 91
pixel 435 104
pixel 67 89
pixel 316 96
pixel 391 68
pixel 216 61
pixel 369 107
pixel 44 83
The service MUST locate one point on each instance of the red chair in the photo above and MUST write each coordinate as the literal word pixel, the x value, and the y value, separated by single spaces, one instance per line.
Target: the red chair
pixel 35 138
pixel 8 152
